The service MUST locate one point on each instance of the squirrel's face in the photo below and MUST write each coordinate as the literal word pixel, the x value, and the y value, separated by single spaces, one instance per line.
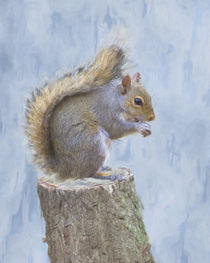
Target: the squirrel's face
pixel 138 102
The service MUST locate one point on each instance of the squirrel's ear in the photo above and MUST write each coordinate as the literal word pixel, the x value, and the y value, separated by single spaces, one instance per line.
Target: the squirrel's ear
pixel 137 77
pixel 126 84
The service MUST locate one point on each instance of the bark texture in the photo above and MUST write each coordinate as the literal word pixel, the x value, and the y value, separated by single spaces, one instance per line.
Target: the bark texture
pixel 94 221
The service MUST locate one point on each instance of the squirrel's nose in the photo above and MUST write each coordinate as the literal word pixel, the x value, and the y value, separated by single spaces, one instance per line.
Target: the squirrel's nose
pixel 152 117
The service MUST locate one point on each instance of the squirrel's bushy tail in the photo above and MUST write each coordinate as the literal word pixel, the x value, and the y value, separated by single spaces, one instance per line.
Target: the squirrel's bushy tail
pixel 108 65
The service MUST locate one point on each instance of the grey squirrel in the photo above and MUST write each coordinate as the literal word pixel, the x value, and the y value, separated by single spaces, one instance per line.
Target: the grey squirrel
pixel 70 123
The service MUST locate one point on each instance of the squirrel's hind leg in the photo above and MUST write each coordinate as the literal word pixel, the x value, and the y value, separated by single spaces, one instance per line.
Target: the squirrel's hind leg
pixel 91 153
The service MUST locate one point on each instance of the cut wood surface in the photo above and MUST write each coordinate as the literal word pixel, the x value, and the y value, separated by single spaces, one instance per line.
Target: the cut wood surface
pixel 94 221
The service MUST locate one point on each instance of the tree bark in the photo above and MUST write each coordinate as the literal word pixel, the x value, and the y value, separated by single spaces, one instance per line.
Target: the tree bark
pixel 93 220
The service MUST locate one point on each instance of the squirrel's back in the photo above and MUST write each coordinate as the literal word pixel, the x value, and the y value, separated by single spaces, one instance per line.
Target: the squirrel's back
pixel 80 109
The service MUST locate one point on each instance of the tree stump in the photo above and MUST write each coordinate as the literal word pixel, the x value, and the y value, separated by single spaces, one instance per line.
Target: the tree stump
pixel 94 221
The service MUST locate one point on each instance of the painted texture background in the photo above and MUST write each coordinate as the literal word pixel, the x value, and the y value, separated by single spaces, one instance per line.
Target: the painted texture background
pixel 170 42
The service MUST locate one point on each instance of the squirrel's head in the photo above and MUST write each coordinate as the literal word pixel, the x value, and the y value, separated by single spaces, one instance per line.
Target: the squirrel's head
pixel 138 102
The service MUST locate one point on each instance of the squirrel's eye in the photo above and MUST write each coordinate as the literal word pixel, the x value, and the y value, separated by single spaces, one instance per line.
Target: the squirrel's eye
pixel 138 101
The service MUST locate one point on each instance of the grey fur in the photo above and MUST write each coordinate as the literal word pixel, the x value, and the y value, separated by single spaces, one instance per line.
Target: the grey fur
pixel 82 127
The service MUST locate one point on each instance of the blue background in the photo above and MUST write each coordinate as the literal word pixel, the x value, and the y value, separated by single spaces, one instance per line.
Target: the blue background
pixel 170 44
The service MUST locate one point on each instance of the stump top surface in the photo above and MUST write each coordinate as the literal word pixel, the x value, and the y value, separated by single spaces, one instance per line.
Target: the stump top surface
pixel 56 182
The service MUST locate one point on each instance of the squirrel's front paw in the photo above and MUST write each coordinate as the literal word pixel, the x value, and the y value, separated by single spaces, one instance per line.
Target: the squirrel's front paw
pixel 146 133
pixel 145 129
